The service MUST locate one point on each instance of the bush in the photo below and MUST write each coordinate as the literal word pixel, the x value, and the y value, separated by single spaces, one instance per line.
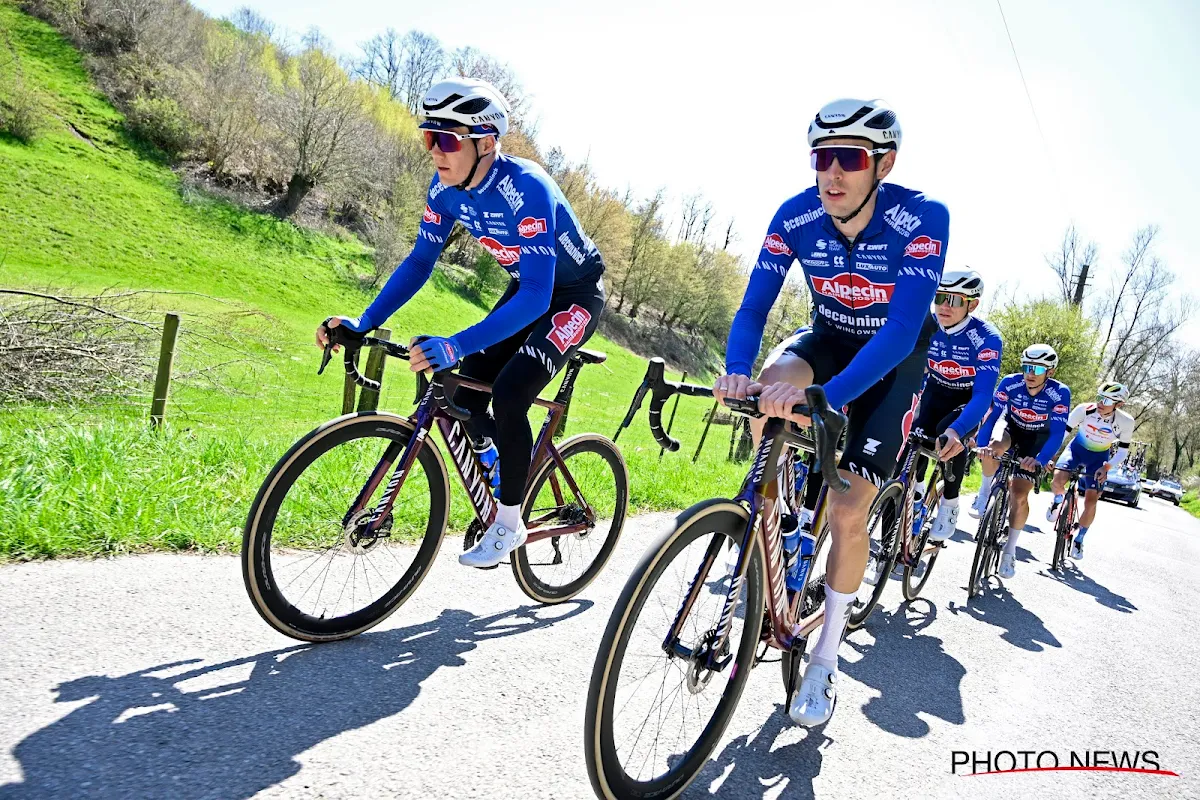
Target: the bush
pixel 1064 328
pixel 391 247
pixel 21 112
pixel 161 122
pixel 488 278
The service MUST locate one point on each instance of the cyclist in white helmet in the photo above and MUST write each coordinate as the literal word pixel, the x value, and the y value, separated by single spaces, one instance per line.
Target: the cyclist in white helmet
pixel 1097 427
pixel 552 304
pixel 964 366
pixel 1029 412
pixel 872 253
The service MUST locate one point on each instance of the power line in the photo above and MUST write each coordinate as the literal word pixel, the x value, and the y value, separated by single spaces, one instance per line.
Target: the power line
pixel 1021 72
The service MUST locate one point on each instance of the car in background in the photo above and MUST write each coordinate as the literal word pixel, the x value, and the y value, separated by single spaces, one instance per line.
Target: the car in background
pixel 1148 485
pixel 1168 489
pixel 1122 485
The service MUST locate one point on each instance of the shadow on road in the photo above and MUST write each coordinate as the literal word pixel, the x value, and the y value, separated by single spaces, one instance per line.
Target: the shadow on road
pixel 997 606
pixel 1080 582
pixel 911 671
pixel 185 730
pixel 755 764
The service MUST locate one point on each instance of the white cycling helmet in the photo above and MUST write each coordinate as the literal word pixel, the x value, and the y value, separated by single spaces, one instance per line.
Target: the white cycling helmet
pixel 1114 392
pixel 964 281
pixel 1040 355
pixel 466 101
pixel 873 120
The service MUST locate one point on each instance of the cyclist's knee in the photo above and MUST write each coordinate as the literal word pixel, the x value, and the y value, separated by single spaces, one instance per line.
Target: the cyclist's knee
pixel 788 369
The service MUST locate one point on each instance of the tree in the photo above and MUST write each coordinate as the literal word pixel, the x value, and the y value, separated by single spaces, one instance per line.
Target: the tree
pixel 406 66
pixel 470 62
pixel 321 124
pixel 1063 327
pixel 646 229
pixel 1072 254
pixel 234 81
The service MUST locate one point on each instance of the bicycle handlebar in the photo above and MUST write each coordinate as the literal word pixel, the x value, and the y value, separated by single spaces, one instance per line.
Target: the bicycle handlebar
pixel 827 423
pixel 352 342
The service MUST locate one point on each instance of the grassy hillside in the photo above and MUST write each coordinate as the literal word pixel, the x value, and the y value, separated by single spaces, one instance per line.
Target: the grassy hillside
pixel 87 208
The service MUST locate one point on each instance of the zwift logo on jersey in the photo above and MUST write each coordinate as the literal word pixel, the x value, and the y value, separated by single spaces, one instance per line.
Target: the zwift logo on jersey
pixel 506 256
pixel 432 216
pixel 530 227
pixel 775 245
pixel 853 290
pixel 951 370
pixel 790 225
pixel 923 247
pixel 901 220
pixel 509 192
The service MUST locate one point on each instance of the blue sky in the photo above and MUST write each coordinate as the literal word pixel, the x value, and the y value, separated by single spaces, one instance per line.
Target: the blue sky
pixel 716 97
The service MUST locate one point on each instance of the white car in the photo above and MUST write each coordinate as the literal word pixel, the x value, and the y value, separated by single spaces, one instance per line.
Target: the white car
pixel 1148 485
pixel 1168 489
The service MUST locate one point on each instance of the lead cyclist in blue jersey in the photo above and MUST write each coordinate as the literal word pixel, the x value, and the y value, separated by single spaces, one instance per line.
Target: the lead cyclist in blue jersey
pixel 551 306
pixel 872 254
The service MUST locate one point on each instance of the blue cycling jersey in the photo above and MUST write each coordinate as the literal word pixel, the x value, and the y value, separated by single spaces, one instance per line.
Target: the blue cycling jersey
pixel 874 291
pixel 1047 410
pixel 520 216
pixel 967 362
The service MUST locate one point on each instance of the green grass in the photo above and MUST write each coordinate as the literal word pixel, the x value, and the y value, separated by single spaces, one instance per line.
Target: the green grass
pixel 1191 503
pixel 88 215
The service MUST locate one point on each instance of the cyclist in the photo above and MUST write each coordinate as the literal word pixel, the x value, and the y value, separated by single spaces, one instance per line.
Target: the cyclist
pixel 872 254
pixel 551 306
pixel 1029 413
pixel 964 366
pixel 1097 427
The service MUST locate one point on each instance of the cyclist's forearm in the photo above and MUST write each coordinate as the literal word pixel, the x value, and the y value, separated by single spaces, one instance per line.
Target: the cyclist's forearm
pixel 746 332
pixel 972 414
pixel 530 302
pixel 403 284
pixel 1056 441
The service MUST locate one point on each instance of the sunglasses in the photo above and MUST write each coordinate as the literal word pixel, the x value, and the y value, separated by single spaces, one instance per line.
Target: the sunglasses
pixel 850 157
pixel 1034 369
pixel 947 299
pixel 448 141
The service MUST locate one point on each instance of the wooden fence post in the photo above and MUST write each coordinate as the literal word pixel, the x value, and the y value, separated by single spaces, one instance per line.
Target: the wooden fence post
pixel 368 399
pixel 704 435
pixel 162 381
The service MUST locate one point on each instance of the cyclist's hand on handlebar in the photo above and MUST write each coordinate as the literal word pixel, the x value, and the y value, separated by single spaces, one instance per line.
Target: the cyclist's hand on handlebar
pixel 433 352
pixel 953 445
pixel 1102 474
pixel 739 387
pixel 777 400
pixel 360 325
pixel 1030 464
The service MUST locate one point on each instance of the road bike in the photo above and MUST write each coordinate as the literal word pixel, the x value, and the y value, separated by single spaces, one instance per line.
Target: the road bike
pixel 993 524
pixel 349 521
pixel 682 638
pixel 1064 523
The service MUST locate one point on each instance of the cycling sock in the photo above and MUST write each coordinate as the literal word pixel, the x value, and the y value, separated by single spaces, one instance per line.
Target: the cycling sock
pixel 986 487
pixel 1010 547
pixel 1079 536
pixel 949 502
pixel 837 612
pixel 1058 498
pixel 508 516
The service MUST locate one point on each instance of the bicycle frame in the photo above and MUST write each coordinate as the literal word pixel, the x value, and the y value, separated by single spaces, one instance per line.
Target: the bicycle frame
pixel 761 485
pixel 917 446
pixel 454 434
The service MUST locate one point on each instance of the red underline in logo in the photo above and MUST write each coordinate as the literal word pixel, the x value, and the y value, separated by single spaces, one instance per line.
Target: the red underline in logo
pixel 1078 769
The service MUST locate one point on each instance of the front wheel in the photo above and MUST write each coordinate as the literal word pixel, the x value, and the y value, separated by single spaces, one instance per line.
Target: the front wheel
pixel 311 568
pixel 557 568
pixel 985 545
pixel 883 534
pixel 656 710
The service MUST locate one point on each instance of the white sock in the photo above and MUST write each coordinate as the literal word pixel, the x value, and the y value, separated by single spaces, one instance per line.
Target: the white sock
pixel 986 487
pixel 837 611
pixel 949 502
pixel 508 516
pixel 1010 547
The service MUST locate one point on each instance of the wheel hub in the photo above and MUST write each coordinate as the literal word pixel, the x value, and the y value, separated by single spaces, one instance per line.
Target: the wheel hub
pixel 358 540
pixel 698 674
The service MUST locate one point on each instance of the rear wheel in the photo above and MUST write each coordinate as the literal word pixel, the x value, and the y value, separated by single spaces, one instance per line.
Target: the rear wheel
pixel 883 534
pixel 1062 533
pixel 655 713
pixel 557 568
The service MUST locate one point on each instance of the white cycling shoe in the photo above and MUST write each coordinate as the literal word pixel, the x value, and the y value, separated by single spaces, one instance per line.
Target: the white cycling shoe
pixel 498 542
pixel 1077 550
pixel 814 700
pixel 1008 566
pixel 978 507
pixel 945 525
pixel 1052 511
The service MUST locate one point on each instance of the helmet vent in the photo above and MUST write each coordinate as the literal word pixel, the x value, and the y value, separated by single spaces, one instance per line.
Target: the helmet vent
pixel 453 98
pixel 881 121
pixel 473 106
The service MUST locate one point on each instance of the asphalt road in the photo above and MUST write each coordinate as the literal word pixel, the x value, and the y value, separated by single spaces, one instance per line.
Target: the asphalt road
pixel 152 676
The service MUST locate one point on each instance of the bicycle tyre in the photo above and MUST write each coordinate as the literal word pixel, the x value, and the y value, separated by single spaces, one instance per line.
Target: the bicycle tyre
pixel 265 593
pixel 1062 532
pixel 890 496
pixel 608 776
pixel 911 583
pixel 530 582
pixel 983 546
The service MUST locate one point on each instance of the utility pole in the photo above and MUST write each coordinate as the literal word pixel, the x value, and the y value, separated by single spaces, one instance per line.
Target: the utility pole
pixel 1080 283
